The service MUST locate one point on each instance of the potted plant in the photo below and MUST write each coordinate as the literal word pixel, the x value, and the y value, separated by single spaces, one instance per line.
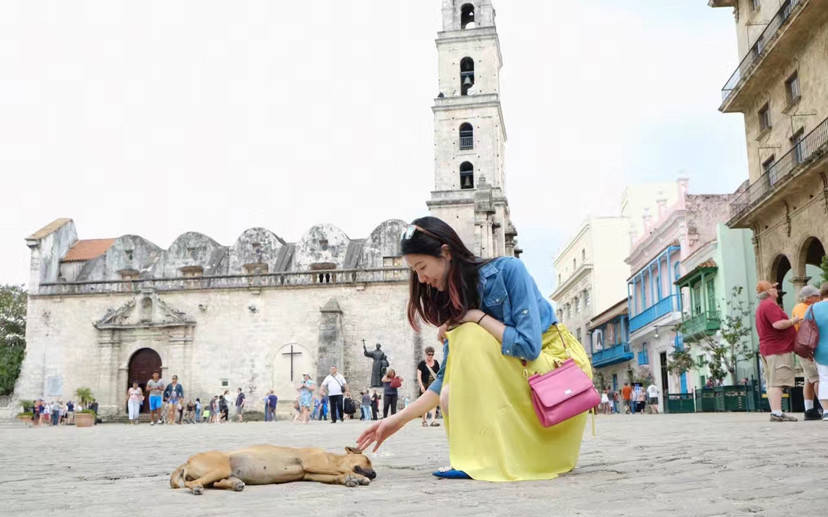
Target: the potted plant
pixel 85 418
pixel 25 416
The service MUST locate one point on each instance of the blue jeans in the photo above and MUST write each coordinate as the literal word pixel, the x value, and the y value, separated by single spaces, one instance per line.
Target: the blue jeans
pixel 366 412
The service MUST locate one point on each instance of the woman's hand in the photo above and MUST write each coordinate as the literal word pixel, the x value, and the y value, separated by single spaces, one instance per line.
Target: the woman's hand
pixel 379 432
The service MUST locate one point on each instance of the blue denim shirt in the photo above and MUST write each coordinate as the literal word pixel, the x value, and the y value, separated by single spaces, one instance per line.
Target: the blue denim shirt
pixel 509 294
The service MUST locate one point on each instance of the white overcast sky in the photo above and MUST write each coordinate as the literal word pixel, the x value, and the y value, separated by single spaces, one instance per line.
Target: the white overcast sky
pixel 160 117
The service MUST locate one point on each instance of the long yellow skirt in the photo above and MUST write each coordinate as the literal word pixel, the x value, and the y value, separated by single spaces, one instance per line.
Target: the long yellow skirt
pixel 493 431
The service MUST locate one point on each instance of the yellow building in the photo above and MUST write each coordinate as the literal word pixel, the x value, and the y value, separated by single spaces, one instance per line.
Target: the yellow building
pixel 781 88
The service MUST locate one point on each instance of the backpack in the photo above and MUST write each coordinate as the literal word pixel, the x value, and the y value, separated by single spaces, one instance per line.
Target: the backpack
pixel 807 338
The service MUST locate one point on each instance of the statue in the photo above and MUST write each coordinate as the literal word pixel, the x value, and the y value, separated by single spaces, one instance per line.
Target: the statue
pixel 380 364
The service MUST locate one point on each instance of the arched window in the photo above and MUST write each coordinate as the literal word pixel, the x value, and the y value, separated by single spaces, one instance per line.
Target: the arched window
pixel 466 136
pixel 466 75
pixel 466 175
pixel 467 16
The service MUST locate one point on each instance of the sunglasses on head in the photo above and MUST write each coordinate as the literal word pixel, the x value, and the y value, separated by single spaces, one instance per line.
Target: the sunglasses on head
pixel 408 232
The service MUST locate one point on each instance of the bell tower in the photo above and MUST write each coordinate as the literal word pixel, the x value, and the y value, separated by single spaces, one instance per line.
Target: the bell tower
pixel 469 133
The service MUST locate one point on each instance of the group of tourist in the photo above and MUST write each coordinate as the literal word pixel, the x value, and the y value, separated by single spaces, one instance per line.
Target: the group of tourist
pixel 635 397
pixel 56 412
pixel 777 335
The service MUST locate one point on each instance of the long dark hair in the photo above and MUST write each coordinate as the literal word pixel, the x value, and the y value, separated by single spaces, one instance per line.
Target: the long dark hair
pixel 433 306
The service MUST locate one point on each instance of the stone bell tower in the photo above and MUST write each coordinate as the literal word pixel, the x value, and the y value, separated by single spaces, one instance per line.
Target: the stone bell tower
pixel 469 133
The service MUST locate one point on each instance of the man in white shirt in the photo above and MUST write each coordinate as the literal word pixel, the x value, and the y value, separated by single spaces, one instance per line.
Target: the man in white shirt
pixel 652 398
pixel 334 386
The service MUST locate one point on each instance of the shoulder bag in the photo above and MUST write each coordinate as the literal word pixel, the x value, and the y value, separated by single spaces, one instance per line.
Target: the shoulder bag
pixel 562 393
pixel 807 337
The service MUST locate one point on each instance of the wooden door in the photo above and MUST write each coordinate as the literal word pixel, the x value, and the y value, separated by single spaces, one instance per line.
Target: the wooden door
pixel 141 365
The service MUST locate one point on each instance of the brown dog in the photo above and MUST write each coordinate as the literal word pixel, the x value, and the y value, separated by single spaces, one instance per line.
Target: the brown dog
pixel 266 464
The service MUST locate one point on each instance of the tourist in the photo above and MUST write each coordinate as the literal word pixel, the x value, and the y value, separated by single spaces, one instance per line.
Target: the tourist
pixel 305 400
pixel 334 386
pixel 808 296
pixel 272 402
pixel 493 319
pixel 776 341
pixel 348 405
pixel 626 393
pixel 426 374
pixel 820 315
pixel 173 393
pixel 36 410
pixel 375 398
pixel 390 383
pixel 604 408
pixel 214 409
pixel 190 412
pixel 70 412
pixel 135 397
pixel 641 398
pixel 224 407
pixel 45 413
pixel 365 405
pixel 652 395
pixel 155 388
pixel 198 410
pixel 240 404
pixel 56 405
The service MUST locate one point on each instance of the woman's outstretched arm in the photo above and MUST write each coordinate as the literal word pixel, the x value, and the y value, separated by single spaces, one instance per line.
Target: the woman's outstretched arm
pixel 380 431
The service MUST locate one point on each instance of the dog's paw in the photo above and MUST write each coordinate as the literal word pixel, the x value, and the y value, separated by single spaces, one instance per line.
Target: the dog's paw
pixel 238 487
pixel 364 481
pixel 351 481
pixel 198 490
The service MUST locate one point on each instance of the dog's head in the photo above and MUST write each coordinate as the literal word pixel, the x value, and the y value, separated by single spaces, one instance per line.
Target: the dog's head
pixel 357 462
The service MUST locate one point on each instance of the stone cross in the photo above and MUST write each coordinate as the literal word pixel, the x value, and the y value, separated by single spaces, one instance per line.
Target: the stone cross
pixel 291 354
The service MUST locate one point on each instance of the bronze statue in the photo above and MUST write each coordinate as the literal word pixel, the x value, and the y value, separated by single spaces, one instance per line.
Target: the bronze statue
pixel 379 366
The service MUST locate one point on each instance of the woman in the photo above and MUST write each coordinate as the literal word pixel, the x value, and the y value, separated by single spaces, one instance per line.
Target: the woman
pixel 135 397
pixel 305 398
pixel 819 313
pixel 492 319
pixel 426 374
pixel 390 384
pixel 605 401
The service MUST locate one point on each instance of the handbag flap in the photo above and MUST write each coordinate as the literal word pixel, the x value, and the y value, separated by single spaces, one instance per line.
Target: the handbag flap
pixel 560 384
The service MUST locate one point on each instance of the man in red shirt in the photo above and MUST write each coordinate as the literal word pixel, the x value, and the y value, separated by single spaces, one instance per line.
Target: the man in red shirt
pixel 626 392
pixel 776 342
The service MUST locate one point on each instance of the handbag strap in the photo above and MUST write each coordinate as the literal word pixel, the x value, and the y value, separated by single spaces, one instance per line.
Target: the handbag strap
pixel 563 342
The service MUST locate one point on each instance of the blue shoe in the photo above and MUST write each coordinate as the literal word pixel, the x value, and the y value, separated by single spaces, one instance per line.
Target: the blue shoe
pixel 450 473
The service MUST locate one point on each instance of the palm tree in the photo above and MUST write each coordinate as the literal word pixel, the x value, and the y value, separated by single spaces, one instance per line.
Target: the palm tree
pixel 84 396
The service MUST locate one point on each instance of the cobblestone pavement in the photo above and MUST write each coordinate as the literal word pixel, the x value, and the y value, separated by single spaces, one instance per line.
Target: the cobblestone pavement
pixel 697 464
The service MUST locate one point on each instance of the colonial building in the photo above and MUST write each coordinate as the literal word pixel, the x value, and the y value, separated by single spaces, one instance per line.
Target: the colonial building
pixel 261 311
pixel 656 262
pixel 781 88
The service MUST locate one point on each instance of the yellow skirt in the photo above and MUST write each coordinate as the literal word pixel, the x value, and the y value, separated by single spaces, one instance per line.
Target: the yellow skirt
pixel 493 431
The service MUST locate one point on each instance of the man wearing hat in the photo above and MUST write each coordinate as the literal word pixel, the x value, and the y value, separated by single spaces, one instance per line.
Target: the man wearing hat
pixel 808 296
pixel 776 343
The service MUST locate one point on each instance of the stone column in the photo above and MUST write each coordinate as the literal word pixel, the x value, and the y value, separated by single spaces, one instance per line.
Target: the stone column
pixel 331 340
pixel 107 392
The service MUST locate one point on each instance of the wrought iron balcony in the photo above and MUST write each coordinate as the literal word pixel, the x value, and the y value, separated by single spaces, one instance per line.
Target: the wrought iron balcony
pixel 653 312
pixel 811 147
pixel 615 354
pixel 765 40
pixel 700 324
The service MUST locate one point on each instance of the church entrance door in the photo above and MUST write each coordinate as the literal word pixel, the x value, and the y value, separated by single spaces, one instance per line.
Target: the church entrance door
pixel 141 365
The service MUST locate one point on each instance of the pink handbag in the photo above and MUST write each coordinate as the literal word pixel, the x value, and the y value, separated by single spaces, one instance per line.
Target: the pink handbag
pixel 562 393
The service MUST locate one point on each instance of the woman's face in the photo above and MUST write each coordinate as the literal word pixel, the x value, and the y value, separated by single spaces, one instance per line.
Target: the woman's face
pixel 134 384
pixel 430 270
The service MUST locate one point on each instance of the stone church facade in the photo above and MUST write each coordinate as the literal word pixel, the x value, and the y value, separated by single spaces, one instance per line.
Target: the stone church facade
pixel 258 313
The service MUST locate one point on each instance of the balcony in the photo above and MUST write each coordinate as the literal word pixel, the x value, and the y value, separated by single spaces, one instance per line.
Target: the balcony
pixel 797 159
pixel 643 359
pixel 615 354
pixel 661 308
pixel 700 324
pixel 765 41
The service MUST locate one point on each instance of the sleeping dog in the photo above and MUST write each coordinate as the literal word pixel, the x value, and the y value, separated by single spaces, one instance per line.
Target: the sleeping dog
pixel 266 464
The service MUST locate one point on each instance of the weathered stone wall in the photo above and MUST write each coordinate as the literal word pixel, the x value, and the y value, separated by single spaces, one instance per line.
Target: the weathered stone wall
pixel 239 335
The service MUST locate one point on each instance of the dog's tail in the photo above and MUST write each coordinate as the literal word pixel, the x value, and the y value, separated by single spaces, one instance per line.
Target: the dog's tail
pixel 178 477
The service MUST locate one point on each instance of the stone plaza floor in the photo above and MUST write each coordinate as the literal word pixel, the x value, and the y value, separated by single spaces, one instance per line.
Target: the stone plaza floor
pixel 695 464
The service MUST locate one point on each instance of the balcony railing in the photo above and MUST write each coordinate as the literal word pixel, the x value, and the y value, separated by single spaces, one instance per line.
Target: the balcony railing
pixel 326 278
pixel 765 39
pixel 700 324
pixel 653 312
pixel 466 142
pixel 813 145
pixel 612 355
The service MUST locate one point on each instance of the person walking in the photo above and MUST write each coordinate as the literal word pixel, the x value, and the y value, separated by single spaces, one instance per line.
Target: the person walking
pixel 604 408
pixel 240 404
pixel 652 396
pixel 155 388
pixel 198 410
pixel 808 296
pixel 390 384
pixel 776 341
pixel 365 405
pixel 426 374
pixel 174 393
pixel 375 398
pixel 224 407
pixel 819 313
pixel 499 329
pixel 334 386
pixel 626 394
pixel 641 398
pixel 135 397
pixel 305 398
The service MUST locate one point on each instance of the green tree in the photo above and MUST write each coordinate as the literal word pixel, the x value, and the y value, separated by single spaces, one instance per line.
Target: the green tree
pixel 824 266
pixel 12 335
pixel 722 354
pixel 84 396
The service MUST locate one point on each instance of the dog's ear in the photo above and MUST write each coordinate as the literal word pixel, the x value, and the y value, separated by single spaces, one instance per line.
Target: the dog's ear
pixel 353 450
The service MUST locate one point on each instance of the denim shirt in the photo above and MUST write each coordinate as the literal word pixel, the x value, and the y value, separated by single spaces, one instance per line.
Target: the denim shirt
pixel 509 294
